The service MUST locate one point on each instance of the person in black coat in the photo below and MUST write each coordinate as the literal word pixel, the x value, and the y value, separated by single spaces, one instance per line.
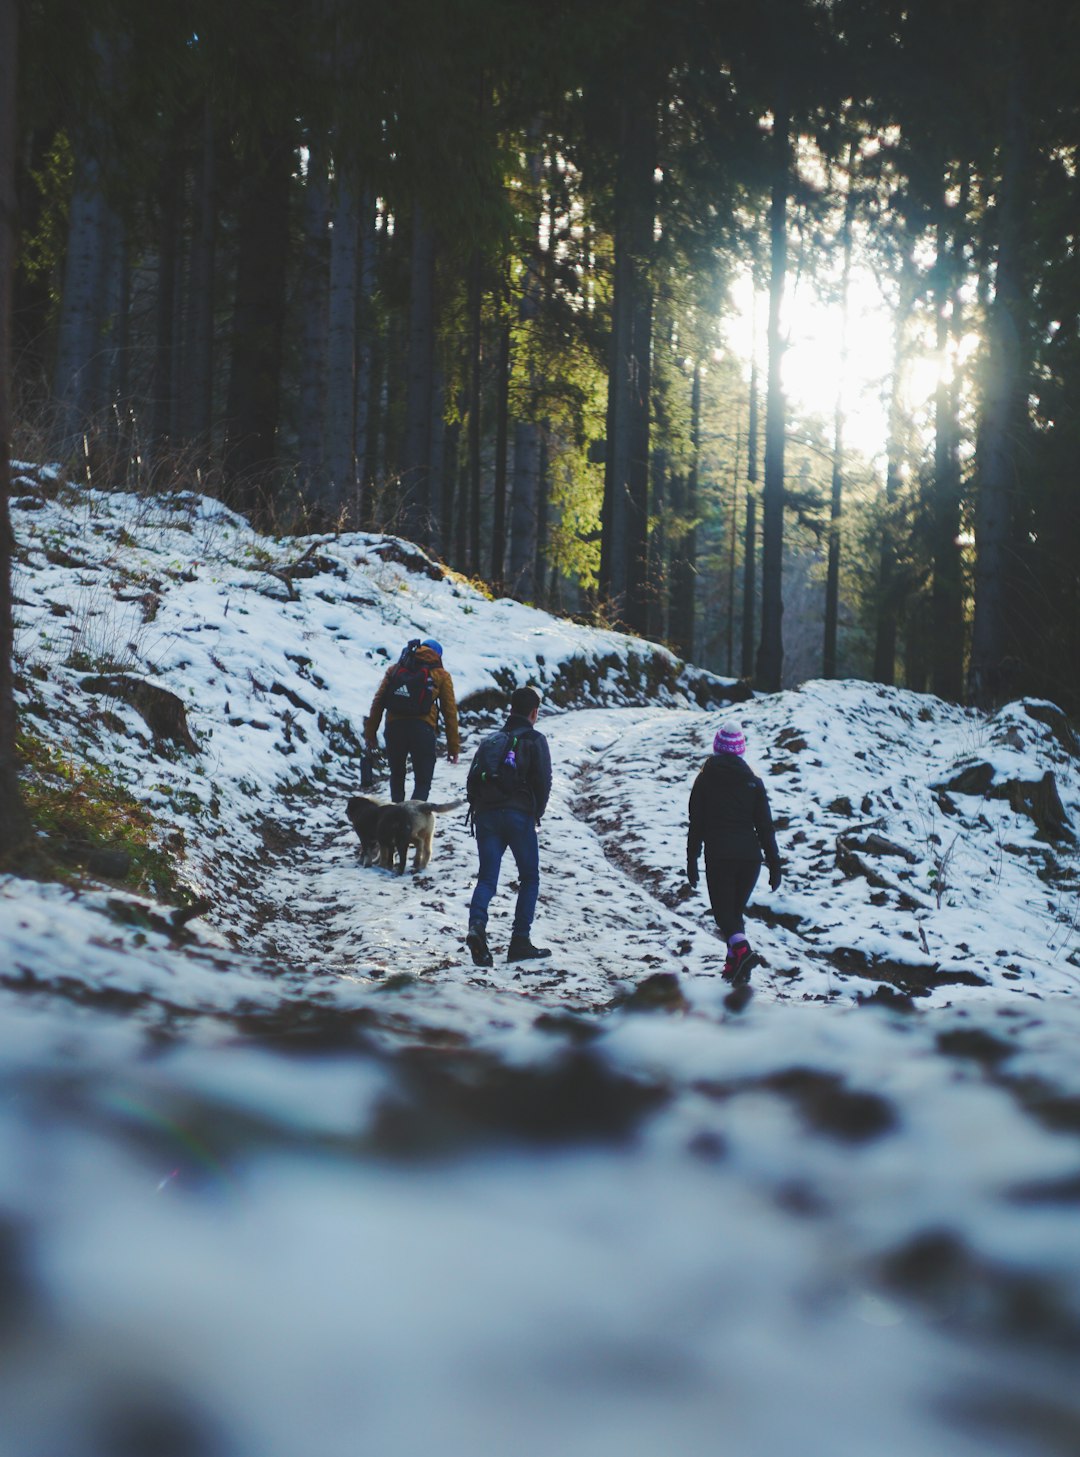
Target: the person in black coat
pixel 730 816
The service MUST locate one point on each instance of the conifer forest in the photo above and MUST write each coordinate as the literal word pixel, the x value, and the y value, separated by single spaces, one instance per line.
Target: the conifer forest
pixel 753 328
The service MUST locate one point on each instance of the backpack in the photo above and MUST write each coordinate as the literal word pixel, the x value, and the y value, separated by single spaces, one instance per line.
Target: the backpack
pixel 500 769
pixel 411 690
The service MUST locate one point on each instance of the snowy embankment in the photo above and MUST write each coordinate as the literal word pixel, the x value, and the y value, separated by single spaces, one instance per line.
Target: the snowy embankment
pixel 295 1176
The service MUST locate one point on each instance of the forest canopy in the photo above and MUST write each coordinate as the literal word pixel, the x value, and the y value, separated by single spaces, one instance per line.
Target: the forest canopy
pixel 528 285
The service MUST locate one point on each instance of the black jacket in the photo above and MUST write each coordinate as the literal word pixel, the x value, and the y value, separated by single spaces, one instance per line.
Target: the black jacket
pixel 535 759
pixel 729 814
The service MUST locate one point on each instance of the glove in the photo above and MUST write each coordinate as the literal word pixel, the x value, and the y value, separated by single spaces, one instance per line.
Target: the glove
pixel 775 877
pixel 692 873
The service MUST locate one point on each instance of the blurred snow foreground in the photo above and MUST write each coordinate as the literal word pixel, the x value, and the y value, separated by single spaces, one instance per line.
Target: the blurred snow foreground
pixel 292 1176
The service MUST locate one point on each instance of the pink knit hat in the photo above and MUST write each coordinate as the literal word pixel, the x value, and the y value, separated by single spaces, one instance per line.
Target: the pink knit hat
pixel 729 740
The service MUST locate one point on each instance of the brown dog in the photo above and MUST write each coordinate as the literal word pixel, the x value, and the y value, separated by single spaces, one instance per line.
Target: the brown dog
pixel 411 823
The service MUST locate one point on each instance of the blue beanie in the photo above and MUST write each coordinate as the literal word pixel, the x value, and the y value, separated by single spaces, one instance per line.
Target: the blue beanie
pixel 436 647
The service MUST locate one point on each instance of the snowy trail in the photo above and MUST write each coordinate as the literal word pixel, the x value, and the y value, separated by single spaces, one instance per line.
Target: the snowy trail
pixel 599 909
pixel 303 1168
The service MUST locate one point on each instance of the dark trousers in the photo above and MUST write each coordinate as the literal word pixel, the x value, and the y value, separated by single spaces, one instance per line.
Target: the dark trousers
pixel 731 884
pixel 499 830
pixel 410 738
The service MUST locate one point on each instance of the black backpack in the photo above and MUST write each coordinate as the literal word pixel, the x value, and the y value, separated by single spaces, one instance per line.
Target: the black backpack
pixel 500 769
pixel 411 691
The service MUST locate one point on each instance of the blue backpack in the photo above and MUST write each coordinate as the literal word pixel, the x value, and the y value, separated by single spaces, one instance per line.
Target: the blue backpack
pixel 500 769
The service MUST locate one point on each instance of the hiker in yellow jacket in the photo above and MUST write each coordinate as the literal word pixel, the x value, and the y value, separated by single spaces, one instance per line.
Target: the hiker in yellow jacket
pixel 412 694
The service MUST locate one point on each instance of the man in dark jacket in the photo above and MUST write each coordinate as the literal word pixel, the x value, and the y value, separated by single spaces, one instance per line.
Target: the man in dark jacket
pixel 729 814
pixel 508 787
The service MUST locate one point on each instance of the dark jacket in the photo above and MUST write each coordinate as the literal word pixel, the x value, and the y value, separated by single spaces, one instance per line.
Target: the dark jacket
pixel 535 761
pixel 729 814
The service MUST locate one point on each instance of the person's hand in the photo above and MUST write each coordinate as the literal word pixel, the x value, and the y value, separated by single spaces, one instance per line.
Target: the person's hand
pixel 775 877
pixel 692 873
pixel 451 758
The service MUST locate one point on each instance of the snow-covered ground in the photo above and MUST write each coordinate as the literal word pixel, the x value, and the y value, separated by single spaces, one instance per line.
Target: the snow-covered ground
pixel 297 1177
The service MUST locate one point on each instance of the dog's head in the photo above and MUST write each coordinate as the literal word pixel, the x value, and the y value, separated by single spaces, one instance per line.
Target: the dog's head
pixel 362 812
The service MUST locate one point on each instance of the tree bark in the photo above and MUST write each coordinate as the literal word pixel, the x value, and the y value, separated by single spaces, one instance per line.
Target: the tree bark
pixel 315 321
pixel 624 545
pixel 79 330
pixel 889 588
pixel 436 542
pixel 770 658
pixel 749 585
pixel 258 322
pixel 416 461
pixel 992 674
pixel 836 503
pixel 524 514
pixel 475 310
pixel 198 382
pixel 170 211
pixel 947 638
pixel 13 822
pixel 502 430
pixel 340 430
pixel 684 558
pixel 365 351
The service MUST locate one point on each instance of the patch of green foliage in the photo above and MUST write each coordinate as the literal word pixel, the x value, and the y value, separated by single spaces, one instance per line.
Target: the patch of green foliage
pixel 85 820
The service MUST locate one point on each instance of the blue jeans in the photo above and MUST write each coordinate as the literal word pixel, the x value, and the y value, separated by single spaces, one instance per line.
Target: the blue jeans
pixel 499 830
pixel 410 738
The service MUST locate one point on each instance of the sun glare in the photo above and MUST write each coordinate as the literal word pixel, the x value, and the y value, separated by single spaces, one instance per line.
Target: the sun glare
pixel 815 368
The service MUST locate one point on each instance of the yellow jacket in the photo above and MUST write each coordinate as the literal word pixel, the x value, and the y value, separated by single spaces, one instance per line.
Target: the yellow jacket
pixel 444 700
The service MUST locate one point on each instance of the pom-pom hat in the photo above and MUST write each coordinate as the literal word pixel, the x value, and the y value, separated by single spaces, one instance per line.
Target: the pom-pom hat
pixel 729 739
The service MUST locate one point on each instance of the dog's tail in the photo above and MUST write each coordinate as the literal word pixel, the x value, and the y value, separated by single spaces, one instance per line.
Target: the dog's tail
pixel 441 809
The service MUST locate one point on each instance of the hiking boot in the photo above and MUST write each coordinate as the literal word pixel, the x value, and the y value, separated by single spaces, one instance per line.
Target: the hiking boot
pixel 522 949
pixel 477 943
pixel 742 958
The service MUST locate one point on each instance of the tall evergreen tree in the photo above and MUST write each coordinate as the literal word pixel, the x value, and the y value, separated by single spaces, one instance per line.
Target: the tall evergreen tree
pixel 12 815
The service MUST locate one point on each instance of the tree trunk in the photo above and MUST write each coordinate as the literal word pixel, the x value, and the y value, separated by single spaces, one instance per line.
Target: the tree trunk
pixel 115 377
pixel 475 310
pixel 436 542
pixel 749 586
pixel 170 212
pixel 624 543
pixel 365 352
pixel 889 588
pixel 733 542
pixel 527 434
pixel 542 594
pixel 198 381
pixel 502 423
pixel 770 658
pixel 947 639
pixel 637 523
pixel 658 604
pixel 340 467
pixel 13 823
pixel 79 331
pixel 684 558
pixel 836 504
pixel 258 322
pixel 453 505
pixel 314 322
pixel 416 461
pixel 991 672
